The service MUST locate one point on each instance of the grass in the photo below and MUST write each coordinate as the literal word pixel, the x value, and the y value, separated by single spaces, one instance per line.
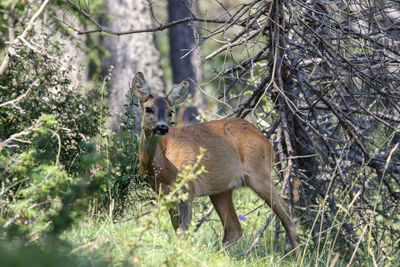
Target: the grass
pixel 151 241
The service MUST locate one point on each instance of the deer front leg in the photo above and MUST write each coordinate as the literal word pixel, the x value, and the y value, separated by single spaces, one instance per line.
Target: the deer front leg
pixel 181 213
pixel 174 214
pixel 185 214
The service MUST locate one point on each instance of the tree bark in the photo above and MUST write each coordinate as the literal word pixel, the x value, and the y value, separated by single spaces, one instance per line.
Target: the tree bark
pixel 182 39
pixel 129 54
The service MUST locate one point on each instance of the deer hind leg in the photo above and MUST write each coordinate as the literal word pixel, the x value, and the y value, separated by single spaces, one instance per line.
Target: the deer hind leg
pixel 263 186
pixel 226 211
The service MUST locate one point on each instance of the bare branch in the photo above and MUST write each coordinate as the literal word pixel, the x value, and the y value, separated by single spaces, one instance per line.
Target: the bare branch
pixel 16 100
pixel 161 27
pixel 22 37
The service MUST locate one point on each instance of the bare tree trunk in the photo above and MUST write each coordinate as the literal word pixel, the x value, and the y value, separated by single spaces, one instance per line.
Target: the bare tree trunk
pixel 182 39
pixel 129 54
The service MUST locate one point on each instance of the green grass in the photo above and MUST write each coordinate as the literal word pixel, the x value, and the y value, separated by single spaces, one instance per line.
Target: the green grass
pixel 151 241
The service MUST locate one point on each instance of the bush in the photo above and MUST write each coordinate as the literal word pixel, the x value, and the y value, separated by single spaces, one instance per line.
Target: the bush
pixel 47 127
pixel 55 154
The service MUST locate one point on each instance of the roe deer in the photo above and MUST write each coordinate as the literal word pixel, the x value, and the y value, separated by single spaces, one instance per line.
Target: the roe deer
pixel 236 154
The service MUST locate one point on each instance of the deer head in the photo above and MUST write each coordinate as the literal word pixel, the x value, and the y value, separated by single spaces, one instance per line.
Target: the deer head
pixel 157 111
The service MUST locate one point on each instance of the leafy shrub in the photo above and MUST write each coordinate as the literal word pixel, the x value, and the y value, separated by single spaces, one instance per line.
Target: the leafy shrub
pixel 122 151
pixel 46 139
pixel 54 149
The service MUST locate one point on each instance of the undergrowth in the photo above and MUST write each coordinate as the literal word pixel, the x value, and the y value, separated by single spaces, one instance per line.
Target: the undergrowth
pixel 150 240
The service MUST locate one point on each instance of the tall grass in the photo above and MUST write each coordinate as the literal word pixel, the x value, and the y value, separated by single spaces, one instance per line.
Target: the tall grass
pixel 150 240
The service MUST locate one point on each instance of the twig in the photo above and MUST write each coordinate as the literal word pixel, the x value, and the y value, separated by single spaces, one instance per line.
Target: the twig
pixel 204 218
pixel 15 137
pixel 357 245
pixel 236 43
pixel 259 234
pixel 19 98
pixel 134 217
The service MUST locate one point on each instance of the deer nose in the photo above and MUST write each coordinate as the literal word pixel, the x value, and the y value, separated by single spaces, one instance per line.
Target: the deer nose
pixel 161 129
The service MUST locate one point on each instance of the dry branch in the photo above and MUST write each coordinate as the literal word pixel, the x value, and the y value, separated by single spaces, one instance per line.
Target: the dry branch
pixel 21 38
pixel 161 27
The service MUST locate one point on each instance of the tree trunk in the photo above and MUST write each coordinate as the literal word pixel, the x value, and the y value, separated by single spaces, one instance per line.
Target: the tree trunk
pixel 183 38
pixel 129 54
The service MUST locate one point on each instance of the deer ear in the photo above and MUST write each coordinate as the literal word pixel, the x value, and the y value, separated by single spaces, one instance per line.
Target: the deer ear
pixel 179 93
pixel 140 87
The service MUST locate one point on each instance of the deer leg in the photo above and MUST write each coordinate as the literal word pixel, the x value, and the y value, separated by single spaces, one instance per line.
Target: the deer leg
pixel 185 207
pixel 226 211
pixel 181 213
pixel 174 214
pixel 265 189
pixel 185 214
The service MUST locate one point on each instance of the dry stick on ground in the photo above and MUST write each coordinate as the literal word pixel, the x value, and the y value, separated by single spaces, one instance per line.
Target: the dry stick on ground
pixel 259 234
pixel 134 217
pixel 204 218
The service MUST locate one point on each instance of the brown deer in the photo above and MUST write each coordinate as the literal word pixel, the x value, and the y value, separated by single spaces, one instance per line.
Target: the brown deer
pixel 236 154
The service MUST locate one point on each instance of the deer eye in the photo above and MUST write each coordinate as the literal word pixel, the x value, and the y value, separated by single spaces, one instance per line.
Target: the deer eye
pixel 149 110
pixel 170 113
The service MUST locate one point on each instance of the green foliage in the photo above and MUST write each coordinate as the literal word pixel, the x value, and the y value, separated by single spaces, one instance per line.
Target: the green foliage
pixel 121 150
pixel 47 148
pixel 34 256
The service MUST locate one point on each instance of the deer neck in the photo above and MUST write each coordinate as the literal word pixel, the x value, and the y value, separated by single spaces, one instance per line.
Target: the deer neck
pixel 154 167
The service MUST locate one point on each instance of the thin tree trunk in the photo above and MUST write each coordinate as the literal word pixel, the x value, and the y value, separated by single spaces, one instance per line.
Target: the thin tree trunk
pixel 182 39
